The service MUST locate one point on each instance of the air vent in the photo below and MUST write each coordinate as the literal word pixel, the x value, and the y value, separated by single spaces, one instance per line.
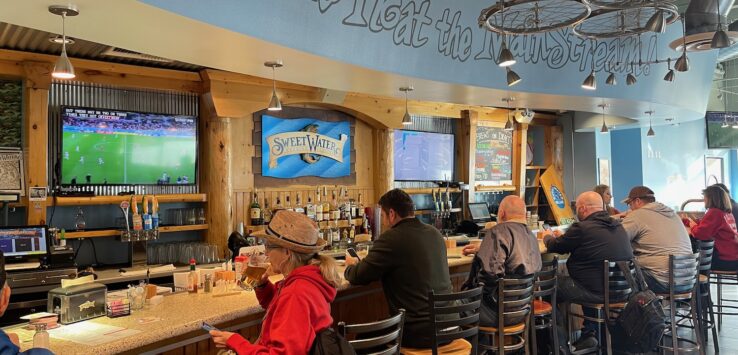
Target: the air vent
pixel 125 53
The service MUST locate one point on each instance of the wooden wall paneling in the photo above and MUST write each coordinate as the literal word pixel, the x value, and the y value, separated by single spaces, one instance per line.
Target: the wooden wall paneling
pixel 36 134
pixel 465 157
pixel 520 139
pixel 557 150
pixel 384 162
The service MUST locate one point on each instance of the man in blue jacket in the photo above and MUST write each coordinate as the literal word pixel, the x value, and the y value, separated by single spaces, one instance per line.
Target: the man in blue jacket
pixel 9 342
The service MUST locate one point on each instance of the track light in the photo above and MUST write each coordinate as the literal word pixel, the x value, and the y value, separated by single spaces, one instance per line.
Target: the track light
pixel 506 58
pixel 604 128
pixel 512 77
pixel 589 82
pixel 657 22
pixel 670 74
pixel 63 68
pixel 406 119
pixel 274 104
pixel 682 63
pixel 509 125
pixel 720 38
pixel 630 79
pixel 650 132
pixel 611 80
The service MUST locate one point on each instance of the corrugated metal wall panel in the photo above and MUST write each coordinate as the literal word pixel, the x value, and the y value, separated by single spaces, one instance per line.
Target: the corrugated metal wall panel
pixel 71 93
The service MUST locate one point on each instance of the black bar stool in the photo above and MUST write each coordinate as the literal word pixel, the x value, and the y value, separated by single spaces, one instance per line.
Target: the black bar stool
pixel 683 277
pixel 514 298
pixel 544 313
pixel 465 305
pixel 707 311
pixel 383 337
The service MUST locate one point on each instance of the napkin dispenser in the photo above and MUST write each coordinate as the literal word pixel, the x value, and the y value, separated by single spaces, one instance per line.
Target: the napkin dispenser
pixel 78 303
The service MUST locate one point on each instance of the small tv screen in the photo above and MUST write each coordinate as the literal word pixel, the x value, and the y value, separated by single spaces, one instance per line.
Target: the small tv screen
pixel 722 129
pixel 102 146
pixel 22 241
pixel 423 156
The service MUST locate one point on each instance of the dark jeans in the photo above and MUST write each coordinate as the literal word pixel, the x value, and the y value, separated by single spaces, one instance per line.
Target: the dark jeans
pixel 570 291
pixel 723 265
pixel 661 288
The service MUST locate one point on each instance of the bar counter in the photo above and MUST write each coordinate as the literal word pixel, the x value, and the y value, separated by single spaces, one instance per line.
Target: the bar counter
pixel 179 332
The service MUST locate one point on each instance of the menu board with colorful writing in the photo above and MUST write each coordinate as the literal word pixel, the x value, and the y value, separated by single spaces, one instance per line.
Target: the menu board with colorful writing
pixel 493 164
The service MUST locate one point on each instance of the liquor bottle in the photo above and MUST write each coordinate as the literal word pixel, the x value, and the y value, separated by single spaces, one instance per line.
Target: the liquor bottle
pixel 192 281
pixel 335 235
pixel 287 203
pixel 256 218
pixel 342 203
pixel 335 212
pixel 318 206
pixel 351 231
pixel 327 216
pixel 299 208
pixel 435 201
pixel 366 227
pixel 147 223
pixel 310 208
pixel 344 239
pixel 359 207
pixel 267 213
pixel 277 206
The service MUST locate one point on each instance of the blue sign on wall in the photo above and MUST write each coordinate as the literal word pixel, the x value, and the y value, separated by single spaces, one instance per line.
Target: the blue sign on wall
pixel 305 147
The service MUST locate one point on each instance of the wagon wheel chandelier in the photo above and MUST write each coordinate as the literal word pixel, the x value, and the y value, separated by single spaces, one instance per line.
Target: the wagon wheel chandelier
pixel 520 17
pixel 614 23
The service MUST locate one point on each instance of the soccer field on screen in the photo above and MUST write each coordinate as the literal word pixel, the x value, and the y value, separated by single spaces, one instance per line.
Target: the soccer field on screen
pixel 126 158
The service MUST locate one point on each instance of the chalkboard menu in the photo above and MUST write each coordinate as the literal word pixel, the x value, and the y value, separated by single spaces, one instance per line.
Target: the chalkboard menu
pixel 493 156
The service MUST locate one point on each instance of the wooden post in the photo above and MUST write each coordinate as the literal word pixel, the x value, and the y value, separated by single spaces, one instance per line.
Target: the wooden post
pixel 36 134
pixel 215 171
pixel 520 141
pixel 465 154
pixel 384 162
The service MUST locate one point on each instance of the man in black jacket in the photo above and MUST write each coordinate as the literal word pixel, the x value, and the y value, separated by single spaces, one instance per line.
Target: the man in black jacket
pixel 595 238
pixel 410 260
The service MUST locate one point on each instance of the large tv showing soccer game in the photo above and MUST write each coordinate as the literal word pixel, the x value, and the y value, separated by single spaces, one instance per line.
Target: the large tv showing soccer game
pixel 423 156
pixel 101 146
pixel 722 129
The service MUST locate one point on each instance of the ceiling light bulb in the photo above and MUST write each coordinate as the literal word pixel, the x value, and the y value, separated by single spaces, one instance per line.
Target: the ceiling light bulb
pixel 63 68
pixel 512 77
pixel 611 79
pixel 589 82
pixel 275 104
pixel 506 58
pixel 406 118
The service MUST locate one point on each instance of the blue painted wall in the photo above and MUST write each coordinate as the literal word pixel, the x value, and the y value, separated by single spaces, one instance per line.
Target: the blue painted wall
pixel 627 163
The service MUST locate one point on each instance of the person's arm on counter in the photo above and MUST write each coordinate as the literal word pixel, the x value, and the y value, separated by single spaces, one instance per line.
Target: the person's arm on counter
pixel 380 259
pixel 565 243
pixel 708 225
pixel 632 227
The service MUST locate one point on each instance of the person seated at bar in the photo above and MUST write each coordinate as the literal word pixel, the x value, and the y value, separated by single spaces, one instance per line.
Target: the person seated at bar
pixel 9 342
pixel 718 224
pixel 410 259
pixel 733 204
pixel 508 250
pixel 604 192
pixel 655 232
pixel 298 307
pixel 595 238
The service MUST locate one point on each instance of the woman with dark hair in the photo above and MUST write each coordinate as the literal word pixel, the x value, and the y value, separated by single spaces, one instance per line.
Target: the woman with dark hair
pixel 604 191
pixel 718 224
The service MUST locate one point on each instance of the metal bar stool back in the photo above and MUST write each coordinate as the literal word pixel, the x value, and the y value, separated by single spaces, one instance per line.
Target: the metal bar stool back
pixel 544 313
pixel 683 277
pixel 514 300
pixel 707 311
pixel 382 337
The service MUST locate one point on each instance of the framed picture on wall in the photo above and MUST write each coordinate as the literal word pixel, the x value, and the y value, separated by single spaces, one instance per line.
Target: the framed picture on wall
pixel 713 170
pixel 11 171
pixel 603 166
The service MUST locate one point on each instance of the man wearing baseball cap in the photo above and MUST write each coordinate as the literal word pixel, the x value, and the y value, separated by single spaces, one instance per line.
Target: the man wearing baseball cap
pixel 655 232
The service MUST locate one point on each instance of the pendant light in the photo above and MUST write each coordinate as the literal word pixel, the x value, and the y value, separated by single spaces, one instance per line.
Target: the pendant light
pixel 589 82
pixel 274 104
pixel 611 79
pixel 657 22
pixel 682 63
pixel 670 74
pixel 509 125
pixel 604 129
pixel 512 77
pixel 720 38
pixel 506 58
pixel 63 68
pixel 406 119
pixel 650 132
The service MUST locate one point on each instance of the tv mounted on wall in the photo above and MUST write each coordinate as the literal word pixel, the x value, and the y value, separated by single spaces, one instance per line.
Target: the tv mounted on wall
pixel 423 156
pixel 101 146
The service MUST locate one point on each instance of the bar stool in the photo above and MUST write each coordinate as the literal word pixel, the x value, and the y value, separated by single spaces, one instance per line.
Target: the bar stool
pixel 683 271
pixel 514 298
pixel 384 336
pixel 618 289
pixel 465 304
pixel 544 314
pixel 724 278
pixel 707 311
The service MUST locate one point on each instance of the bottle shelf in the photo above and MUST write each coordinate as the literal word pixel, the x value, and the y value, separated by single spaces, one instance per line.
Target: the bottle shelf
pixel 424 212
pixel 114 200
pixel 116 232
pixel 428 190
pixel 341 223
pixel 482 188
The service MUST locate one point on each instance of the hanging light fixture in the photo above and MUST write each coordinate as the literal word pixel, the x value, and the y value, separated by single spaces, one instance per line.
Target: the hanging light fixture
pixel 657 22
pixel 274 104
pixel 670 74
pixel 611 79
pixel 650 132
pixel 406 119
pixel 506 58
pixel 509 125
pixel 63 68
pixel 604 128
pixel 590 83
pixel 512 77
pixel 682 63
pixel 720 38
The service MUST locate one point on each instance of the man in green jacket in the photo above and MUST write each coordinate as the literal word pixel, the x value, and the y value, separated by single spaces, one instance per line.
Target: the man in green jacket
pixel 410 260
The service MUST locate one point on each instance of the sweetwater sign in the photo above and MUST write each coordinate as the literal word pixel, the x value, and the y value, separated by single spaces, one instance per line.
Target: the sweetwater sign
pixel 305 147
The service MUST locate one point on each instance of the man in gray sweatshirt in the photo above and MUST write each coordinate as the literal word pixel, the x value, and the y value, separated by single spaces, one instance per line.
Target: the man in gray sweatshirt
pixel 655 232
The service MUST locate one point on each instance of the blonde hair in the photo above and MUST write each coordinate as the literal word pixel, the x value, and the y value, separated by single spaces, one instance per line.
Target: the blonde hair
pixel 327 266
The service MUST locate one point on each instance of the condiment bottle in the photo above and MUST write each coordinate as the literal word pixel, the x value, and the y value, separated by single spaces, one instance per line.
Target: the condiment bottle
pixel 192 279
pixel 41 338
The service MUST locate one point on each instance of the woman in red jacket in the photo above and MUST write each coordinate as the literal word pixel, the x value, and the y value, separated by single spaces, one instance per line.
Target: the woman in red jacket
pixel 298 307
pixel 718 224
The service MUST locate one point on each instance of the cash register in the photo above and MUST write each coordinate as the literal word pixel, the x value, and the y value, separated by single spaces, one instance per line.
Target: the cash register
pixel 480 213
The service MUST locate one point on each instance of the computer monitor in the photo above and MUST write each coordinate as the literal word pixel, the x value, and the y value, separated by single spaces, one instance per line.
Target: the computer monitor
pixel 479 212
pixel 19 243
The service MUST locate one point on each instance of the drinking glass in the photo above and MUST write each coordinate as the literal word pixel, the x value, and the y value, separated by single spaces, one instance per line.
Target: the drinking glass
pixel 178 219
pixel 191 216
pixel 172 253
pixel 362 250
pixel 41 338
pixel 214 253
pixel 201 215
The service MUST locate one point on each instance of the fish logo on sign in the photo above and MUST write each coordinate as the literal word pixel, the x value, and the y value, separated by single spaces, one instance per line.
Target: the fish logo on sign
pixel 86 305
pixel 558 197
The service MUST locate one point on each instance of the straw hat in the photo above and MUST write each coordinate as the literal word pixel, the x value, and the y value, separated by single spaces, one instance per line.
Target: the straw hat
pixel 293 231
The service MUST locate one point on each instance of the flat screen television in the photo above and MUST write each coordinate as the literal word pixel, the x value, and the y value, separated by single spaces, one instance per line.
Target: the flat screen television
pixel 21 242
pixel 423 156
pixel 101 146
pixel 720 129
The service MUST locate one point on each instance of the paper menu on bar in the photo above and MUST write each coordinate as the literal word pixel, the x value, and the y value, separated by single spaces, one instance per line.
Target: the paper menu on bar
pixel 88 333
